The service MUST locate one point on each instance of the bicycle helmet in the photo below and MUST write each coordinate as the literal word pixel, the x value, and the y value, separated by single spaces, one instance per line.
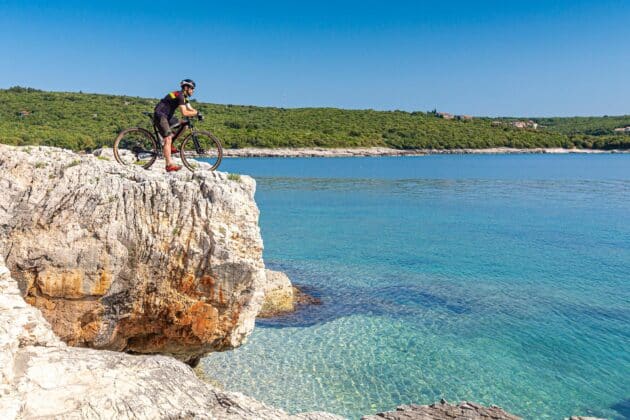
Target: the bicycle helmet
pixel 187 82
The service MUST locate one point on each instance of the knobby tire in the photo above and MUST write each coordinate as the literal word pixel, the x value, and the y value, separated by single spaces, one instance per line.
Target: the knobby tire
pixel 136 146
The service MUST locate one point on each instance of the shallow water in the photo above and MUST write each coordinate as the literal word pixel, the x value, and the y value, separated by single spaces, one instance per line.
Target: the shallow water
pixel 501 279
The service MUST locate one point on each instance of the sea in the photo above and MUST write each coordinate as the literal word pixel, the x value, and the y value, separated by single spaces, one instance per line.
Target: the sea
pixel 497 279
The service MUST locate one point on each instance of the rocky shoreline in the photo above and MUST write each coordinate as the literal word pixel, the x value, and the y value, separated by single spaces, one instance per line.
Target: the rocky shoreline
pixel 384 151
pixel 111 277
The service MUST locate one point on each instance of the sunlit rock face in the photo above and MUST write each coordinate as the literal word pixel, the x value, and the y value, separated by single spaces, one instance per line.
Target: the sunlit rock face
pixel 126 259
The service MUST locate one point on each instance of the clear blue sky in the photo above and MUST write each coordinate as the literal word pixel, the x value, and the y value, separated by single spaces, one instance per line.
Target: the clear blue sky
pixel 533 58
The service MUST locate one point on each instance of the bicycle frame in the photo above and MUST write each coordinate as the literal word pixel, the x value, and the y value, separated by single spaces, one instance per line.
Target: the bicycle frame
pixel 187 123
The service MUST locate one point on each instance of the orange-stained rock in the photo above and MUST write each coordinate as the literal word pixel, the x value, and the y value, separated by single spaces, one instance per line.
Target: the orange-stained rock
pixel 72 283
pixel 204 320
pixel 77 322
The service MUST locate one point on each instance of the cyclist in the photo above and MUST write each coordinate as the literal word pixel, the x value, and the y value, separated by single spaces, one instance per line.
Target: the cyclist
pixel 163 117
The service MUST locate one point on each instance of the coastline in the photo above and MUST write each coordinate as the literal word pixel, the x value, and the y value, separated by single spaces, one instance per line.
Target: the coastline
pixel 386 151
pixel 112 382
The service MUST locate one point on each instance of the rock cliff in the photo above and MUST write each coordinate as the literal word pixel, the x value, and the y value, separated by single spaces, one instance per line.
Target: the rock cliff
pixel 125 259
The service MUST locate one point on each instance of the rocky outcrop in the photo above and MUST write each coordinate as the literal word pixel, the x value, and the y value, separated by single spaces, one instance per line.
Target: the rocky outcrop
pixel 445 411
pixel 41 377
pixel 125 259
pixel 282 297
pixel 279 295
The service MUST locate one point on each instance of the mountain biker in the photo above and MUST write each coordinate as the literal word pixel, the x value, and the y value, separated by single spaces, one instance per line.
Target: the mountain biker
pixel 163 117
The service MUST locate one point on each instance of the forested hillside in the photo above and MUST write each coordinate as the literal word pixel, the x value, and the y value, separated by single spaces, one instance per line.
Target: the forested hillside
pixel 83 121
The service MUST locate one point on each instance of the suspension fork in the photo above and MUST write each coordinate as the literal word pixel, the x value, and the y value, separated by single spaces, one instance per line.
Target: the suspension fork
pixel 196 142
pixel 193 133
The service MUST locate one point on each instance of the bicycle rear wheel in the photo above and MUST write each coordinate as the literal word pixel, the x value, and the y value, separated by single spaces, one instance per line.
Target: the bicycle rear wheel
pixel 201 146
pixel 135 146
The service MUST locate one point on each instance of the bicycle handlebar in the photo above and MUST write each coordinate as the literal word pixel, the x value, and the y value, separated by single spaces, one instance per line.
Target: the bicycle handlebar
pixel 189 120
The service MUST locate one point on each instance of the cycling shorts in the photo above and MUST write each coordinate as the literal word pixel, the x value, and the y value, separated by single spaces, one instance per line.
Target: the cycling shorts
pixel 164 123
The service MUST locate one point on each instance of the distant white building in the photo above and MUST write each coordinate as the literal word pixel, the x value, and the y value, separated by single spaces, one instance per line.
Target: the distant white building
pixel 623 129
pixel 519 124
pixel 525 124
pixel 445 115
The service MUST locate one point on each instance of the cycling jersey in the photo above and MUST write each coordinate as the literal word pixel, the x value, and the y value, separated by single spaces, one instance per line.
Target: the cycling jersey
pixel 169 104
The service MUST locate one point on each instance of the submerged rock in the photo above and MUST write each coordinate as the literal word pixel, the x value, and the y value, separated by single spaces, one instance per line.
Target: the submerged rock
pixel 125 259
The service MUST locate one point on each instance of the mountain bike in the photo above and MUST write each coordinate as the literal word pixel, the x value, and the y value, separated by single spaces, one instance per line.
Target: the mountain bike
pixel 137 146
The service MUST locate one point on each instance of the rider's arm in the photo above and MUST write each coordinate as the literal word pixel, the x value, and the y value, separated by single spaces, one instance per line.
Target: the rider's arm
pixel 187 110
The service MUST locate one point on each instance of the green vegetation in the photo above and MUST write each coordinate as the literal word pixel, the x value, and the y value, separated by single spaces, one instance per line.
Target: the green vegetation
pixel 234 177
pixel 82 121
pixel 593 126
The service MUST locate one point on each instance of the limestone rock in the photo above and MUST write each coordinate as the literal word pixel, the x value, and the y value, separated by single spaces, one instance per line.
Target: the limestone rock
pixel 40 377
pixel 125 259
pixel 279 294
pixel 445 411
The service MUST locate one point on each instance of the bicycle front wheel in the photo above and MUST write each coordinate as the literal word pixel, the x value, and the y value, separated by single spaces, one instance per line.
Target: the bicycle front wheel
pixel 201 146
pixel 135 146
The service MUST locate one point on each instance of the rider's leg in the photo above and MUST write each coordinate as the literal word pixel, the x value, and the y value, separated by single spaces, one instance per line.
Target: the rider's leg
pixel 171 123
pixel 165 131
pixel 168 140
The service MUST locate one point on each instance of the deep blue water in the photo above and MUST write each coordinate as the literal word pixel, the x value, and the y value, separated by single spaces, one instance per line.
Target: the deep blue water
pixel 500 279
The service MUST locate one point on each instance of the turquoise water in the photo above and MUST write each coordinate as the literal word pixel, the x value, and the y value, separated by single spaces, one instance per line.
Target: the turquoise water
pixel 497 279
